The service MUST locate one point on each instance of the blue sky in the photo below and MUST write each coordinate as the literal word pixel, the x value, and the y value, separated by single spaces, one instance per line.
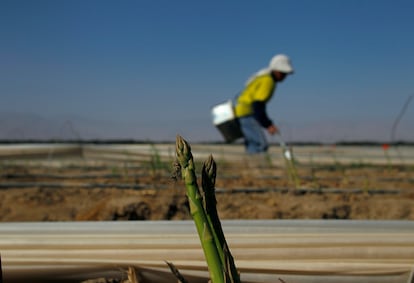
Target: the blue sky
pixel 153 69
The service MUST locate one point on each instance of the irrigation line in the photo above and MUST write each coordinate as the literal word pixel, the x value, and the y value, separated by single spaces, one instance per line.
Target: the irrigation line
pixel 73 177
pixel 223 167
pixel 297 191
pixel 353 178
pixel 108 177
pixel 6 186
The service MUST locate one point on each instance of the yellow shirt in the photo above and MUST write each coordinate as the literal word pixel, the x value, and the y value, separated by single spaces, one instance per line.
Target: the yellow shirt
pixel 260 89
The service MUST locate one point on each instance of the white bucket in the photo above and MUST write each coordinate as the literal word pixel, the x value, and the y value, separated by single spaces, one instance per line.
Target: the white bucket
pixel 226 121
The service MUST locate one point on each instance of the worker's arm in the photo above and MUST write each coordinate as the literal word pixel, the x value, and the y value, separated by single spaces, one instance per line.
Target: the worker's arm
pixel 263 90
pixel 260 114
pixel 259 110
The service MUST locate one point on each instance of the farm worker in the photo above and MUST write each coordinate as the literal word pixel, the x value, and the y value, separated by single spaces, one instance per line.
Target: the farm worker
pixel 250 107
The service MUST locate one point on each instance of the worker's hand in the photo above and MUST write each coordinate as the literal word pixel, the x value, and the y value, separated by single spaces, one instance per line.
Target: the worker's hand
pixel 272 129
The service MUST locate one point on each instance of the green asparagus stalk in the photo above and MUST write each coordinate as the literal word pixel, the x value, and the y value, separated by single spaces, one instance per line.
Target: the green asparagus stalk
pixel 291 167
pixel 1 272
pixel 208 180
pixel 185 160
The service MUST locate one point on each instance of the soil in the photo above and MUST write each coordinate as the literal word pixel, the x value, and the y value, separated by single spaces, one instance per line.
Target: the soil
pixel 84 192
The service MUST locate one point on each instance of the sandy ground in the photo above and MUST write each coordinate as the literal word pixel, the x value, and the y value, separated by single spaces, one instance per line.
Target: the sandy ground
pixel 84 191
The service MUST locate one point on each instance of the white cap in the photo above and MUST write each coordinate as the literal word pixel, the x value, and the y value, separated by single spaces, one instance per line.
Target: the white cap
pixel 281 63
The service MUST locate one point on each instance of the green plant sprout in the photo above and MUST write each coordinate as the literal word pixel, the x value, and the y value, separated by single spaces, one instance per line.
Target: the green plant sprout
pixel 208 180
pixel 204 213
pixel 155 162
pixel 314 179
pixel 291 167
pixel 1 271
pixel 290 162
pixel 340 167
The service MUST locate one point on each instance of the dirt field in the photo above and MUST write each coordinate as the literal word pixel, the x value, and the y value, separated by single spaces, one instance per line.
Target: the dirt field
pixel 83 191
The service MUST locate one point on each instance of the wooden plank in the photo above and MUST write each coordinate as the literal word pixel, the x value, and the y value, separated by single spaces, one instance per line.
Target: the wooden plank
pixel 296 251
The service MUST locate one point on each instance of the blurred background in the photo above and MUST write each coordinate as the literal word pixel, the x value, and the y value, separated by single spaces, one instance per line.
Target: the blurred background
pixel 149 70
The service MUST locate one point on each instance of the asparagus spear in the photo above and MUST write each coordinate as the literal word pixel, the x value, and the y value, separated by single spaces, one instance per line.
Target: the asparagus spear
pixel 185 160
pixel 208 181
pixel 1 272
